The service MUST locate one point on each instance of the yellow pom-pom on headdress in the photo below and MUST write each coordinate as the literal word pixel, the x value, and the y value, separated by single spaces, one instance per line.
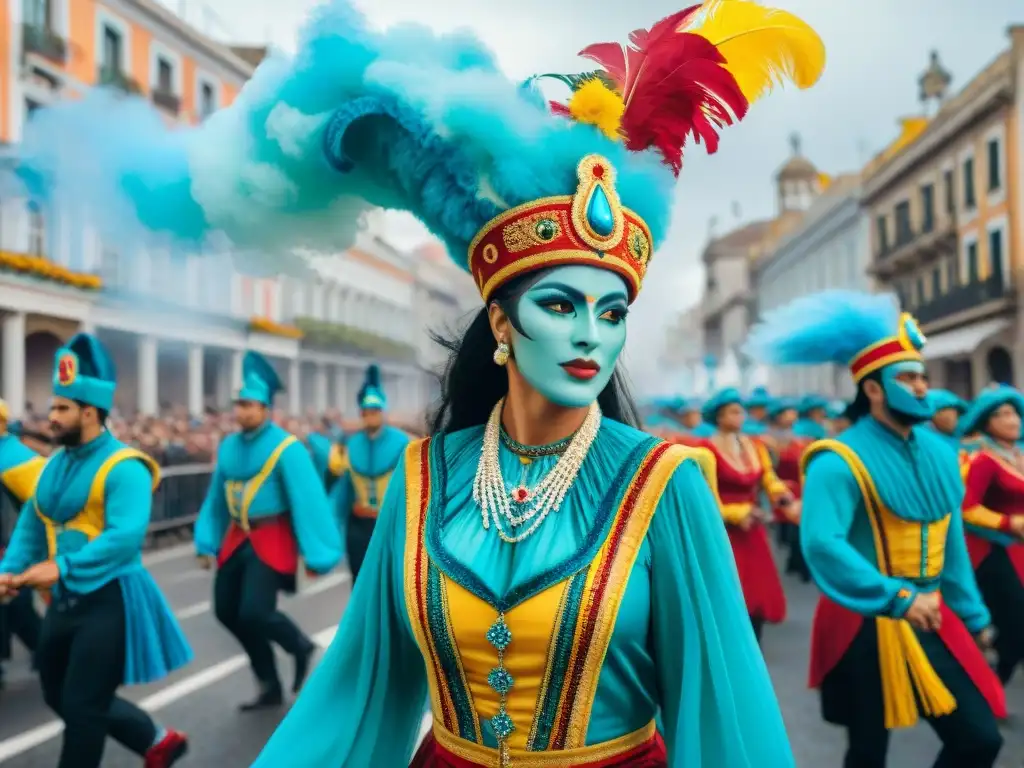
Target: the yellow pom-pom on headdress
pixel 594 103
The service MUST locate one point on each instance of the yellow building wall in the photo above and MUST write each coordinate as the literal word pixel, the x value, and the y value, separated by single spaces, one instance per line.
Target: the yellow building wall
pixel 985 211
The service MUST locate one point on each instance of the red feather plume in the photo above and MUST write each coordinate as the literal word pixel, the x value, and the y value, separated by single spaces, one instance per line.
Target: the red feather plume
pixel 674 86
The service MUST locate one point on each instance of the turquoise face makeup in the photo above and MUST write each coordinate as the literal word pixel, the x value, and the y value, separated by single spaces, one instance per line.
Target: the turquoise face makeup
pixel 900 396
pixel 574 327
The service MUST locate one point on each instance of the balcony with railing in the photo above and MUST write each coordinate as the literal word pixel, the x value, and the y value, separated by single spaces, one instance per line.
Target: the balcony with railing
pixel 114 77
pixel 961 298
pixel 44 42
pixel 914 247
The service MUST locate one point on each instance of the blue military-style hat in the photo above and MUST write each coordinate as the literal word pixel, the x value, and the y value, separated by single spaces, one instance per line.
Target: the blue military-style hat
pixel 719 400
pixel 260 381
pixel 371 395
pixel 84 371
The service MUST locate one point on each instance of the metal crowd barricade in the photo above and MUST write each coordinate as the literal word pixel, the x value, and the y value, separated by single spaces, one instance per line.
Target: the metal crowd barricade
pixel 176 501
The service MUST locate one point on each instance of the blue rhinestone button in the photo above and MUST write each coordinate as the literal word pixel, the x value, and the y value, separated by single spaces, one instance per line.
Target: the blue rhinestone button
pixel 500 680
pixel 499 634
pixel 502 725
pixel 599 213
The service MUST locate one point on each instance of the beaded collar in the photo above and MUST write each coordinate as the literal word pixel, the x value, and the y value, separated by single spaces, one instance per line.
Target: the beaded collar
pixel 535 451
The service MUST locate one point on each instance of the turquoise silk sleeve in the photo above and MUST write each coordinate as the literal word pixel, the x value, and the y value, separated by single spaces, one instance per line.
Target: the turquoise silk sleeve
pixel 212 522
pixel 128 502
pixel 28 542
pixel 959 587
pixel 363 704
pixel 718 707
pixel 312 519
pixel 832 500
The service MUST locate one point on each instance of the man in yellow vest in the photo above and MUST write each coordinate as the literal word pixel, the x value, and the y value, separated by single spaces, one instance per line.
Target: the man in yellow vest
pixel 899 629
pixel 20 468
pixel 265 509
pixel 80 535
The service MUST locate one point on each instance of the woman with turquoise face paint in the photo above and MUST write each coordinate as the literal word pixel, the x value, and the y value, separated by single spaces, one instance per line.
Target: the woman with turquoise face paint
pixel 994 517
pixel 554 580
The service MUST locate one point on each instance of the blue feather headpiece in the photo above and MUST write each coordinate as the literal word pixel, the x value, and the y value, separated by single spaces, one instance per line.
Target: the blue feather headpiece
pixel 371 395
pixel 861 330
pixel 410 120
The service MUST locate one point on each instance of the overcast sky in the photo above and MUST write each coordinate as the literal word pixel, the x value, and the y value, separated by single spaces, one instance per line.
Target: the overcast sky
pixel 876 50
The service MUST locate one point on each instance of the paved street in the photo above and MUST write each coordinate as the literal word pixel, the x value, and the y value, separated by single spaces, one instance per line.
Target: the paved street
pixel 202 698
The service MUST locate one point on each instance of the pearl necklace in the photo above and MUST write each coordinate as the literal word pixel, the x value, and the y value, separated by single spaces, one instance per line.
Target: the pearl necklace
pixel 493 497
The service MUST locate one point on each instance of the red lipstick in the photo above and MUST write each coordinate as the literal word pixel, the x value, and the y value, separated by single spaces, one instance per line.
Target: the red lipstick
pixel 584 370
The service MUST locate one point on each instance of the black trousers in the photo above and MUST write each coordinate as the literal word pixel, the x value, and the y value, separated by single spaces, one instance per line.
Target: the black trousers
pixel 1003 593
pixel 245 602
pixel 81 658
pixel 357 541
pixel 851 695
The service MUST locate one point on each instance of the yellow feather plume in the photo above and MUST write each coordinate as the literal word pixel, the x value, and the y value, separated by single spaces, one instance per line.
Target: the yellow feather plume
pixel 762 46
pixel 596 104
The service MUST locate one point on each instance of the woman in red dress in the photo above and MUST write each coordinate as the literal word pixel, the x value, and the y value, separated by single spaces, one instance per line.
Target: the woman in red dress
pixel 994 517
pixel 747 485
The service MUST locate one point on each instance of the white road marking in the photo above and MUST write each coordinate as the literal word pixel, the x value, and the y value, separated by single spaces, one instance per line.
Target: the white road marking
pixel 34 737
pixel 193 610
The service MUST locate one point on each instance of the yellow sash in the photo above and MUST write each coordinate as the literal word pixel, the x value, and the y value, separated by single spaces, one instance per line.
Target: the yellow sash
pixel 92 519
pixel 905 668
pixel 249 488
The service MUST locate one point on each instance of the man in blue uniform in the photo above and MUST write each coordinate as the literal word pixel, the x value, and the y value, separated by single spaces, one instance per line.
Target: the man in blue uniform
pixel 20 468
pixel 372 454
pixel 266 507
pixel 897 631
pixel 80 535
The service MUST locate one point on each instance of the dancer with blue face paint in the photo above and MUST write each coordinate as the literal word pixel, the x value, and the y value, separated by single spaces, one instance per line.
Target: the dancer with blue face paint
pixel 556 581
pixel 898 632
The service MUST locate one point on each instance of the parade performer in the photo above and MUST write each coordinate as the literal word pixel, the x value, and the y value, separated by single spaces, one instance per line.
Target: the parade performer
pixel 20 468
pixel 80 536
pixel 812 421
pixel 947 408
pixel 685 422
pixel 883 536
pixel 993 511
pixel 553 577
pixel 373 453
pixel 788 448
pixel 757 406
pixel 745 474
pixel 265 509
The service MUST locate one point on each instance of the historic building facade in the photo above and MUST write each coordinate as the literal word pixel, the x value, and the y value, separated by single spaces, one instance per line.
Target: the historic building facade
pixel 178 327
pixel 945 212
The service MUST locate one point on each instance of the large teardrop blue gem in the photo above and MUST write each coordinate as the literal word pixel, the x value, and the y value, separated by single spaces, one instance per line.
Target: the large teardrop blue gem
pixel 599 213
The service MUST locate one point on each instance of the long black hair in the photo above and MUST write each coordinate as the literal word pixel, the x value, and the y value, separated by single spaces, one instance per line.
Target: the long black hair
pixel 471 383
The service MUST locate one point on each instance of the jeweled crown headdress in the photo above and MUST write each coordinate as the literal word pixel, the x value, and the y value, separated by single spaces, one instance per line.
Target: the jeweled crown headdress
pixel 411 120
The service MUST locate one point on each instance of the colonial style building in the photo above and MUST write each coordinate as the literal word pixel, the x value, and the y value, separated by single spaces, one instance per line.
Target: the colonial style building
pixel 178 328
pixel 829 249
pixel 729 306
pixel 945 210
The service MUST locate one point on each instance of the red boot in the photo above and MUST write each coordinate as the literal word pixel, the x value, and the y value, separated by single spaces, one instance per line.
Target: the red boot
pixel 171 748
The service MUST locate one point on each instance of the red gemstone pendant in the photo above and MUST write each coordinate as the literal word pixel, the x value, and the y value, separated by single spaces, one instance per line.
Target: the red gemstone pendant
pixel 521 494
